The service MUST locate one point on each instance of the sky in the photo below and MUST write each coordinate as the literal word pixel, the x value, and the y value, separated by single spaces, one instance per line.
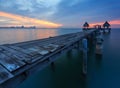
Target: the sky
pixel 59 13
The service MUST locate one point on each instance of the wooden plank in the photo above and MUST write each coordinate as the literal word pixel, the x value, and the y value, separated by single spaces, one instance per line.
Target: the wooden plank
pixel 51 47
pixel 36 58
pixel 40 50
pixel 19 55
pixel 1 49
pixel 21 58
pixel 13 56
pixel 35 55
pixel 11 64
pixel 26 51
pixel 36 51
pixel 5 48
pixel 4 75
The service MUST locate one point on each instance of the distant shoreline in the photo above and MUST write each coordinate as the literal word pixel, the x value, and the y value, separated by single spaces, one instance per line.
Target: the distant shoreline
pixel 22 27
pixel 34 28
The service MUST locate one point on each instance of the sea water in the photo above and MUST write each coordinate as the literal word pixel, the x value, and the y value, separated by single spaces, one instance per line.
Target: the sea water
pixel 103 72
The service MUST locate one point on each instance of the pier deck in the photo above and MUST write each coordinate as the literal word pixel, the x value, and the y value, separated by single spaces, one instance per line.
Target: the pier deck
pixel 19 60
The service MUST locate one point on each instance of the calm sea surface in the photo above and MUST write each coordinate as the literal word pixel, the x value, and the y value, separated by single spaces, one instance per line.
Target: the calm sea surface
pixel 102 72
pixel 20 35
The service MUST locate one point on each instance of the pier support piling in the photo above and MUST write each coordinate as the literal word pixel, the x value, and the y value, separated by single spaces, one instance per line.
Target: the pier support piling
pixel 53 66
pixel 85 49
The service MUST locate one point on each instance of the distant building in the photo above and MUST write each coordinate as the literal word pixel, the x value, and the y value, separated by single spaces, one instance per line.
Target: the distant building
pixel 22 26
pixel 106 25
pixel 97 26
pixel 86 25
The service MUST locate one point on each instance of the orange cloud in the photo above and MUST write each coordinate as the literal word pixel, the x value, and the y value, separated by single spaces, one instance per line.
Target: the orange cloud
pixel 115 22
pixel 26 21
pixel 112 22
pixel 93 24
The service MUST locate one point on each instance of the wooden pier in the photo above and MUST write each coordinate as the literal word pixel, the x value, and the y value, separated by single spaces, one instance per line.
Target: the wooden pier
pixel 19 61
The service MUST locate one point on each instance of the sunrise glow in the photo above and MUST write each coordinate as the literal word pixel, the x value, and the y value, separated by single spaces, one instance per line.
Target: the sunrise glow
pixel 112 22
pixel 18 20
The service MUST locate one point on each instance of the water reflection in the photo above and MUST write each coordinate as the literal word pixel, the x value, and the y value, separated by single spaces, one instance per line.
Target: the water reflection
pixel 20 35
pixel 83 82
pixel 98 61
pixel 69 54
pixel 53 66
pixel 45 33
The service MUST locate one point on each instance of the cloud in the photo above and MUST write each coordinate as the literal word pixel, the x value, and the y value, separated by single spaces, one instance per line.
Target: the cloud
pixel 71 13
pixel 13 20
pixel 42 9
pixel 74 12
pixel 113 23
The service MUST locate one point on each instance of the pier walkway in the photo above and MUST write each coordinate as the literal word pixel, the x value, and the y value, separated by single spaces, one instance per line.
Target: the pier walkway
pixel 19 60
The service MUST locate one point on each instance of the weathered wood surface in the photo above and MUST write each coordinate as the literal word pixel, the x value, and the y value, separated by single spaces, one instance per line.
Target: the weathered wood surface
pixel 10 62
pixel 16 58
pixel 4 74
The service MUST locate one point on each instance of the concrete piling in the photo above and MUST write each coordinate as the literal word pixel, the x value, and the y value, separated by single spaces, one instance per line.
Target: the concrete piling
pixel 85 49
